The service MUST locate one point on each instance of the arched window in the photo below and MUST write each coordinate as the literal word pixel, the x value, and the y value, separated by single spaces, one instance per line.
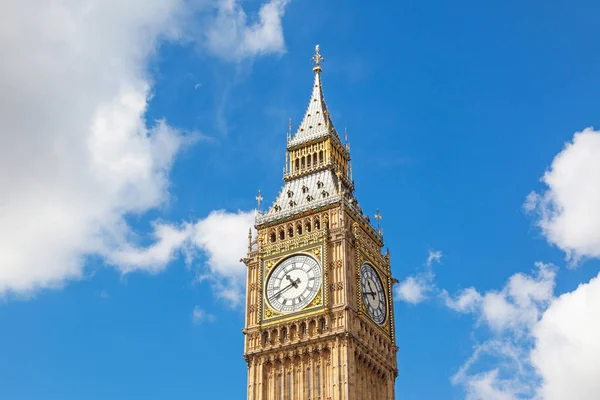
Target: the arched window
pixel 273 237
pixel 303 328
pixel 321 157
pixel 314 159
pixel 308 227
pixel 299 228
pixel 308 160
pixel 297 165
pixel 322 325
pixel 312 327
pixel 291 231
pixel 303 162
pixel 317 223
pixel 284 334
pixel 265 337
pixel 281 234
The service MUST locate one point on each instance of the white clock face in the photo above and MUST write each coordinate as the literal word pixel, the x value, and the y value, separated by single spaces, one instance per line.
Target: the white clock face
pixel 293 284
pixel 373 293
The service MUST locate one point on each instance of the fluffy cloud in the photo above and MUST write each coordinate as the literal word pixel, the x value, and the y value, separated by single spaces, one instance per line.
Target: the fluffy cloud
pixel 568 211
pixel 415 289
pixel 499 367
pixel 567 346
pixel 221 238
pixel 230 36
pixel 76 153
pixel 541 346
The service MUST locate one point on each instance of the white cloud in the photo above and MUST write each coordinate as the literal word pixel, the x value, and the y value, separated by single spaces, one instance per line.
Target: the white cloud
pixel 232 37
pixel 415 289
pixel 76 153
pixel 568 211
pixel 567 346
pixel 499 367
pixel 412 290
pixel 540 346
pixel 199 316
pixel 466 300
pixel 434 256
pixel 221 238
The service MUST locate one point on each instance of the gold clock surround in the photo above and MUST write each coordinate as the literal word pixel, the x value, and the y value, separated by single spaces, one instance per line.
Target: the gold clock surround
pixel 269 315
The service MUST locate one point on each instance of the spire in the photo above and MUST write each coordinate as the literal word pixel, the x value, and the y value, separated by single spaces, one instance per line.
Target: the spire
pixel 316 122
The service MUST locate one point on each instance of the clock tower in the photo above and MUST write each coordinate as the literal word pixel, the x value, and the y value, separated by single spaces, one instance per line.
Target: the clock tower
pixel 319 309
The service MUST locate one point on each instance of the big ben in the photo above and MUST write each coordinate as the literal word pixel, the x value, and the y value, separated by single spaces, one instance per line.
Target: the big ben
pixel 319 308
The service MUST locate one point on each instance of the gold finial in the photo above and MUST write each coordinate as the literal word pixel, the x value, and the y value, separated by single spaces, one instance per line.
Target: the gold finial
pixel 249 240
pixel 378 218
pixel 259 199
pixel 317 58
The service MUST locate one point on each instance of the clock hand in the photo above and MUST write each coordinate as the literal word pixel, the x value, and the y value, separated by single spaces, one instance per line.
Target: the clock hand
pixel 291 281
pixel 372 293
pixel 294 284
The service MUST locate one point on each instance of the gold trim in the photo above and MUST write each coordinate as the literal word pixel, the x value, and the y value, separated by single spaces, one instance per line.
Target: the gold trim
pixel 315 252
pixel 317 301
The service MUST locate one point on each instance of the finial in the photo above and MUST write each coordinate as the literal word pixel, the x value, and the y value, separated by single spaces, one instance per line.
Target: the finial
pixel 378 218
pixel 249 240
pixel 289 134
pixel 259 199
pixel 346 140
pixel 317 58
pixel 287 163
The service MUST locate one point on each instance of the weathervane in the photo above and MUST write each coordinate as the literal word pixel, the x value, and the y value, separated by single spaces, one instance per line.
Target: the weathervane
pixel 317 58
pixel 259 199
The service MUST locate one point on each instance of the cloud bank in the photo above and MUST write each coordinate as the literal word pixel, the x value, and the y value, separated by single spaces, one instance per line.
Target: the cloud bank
pixel 539 345
pixel 77 156
pixel 568 210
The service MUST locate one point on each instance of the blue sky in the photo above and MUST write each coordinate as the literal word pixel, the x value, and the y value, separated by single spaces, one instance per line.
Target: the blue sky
pixel 133 140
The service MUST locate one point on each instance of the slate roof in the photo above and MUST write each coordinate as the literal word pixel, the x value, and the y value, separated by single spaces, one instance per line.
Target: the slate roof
pixel 317 121
pixel 304 193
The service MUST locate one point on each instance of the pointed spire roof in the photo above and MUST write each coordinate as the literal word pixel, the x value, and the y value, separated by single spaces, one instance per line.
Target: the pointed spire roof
pixel 317 121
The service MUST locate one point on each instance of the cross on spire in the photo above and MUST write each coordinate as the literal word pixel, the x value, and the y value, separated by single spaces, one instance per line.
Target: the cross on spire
pixel 317 58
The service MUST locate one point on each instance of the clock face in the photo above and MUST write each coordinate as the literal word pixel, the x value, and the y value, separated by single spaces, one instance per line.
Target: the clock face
pixel 293 284
pixel 373 294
